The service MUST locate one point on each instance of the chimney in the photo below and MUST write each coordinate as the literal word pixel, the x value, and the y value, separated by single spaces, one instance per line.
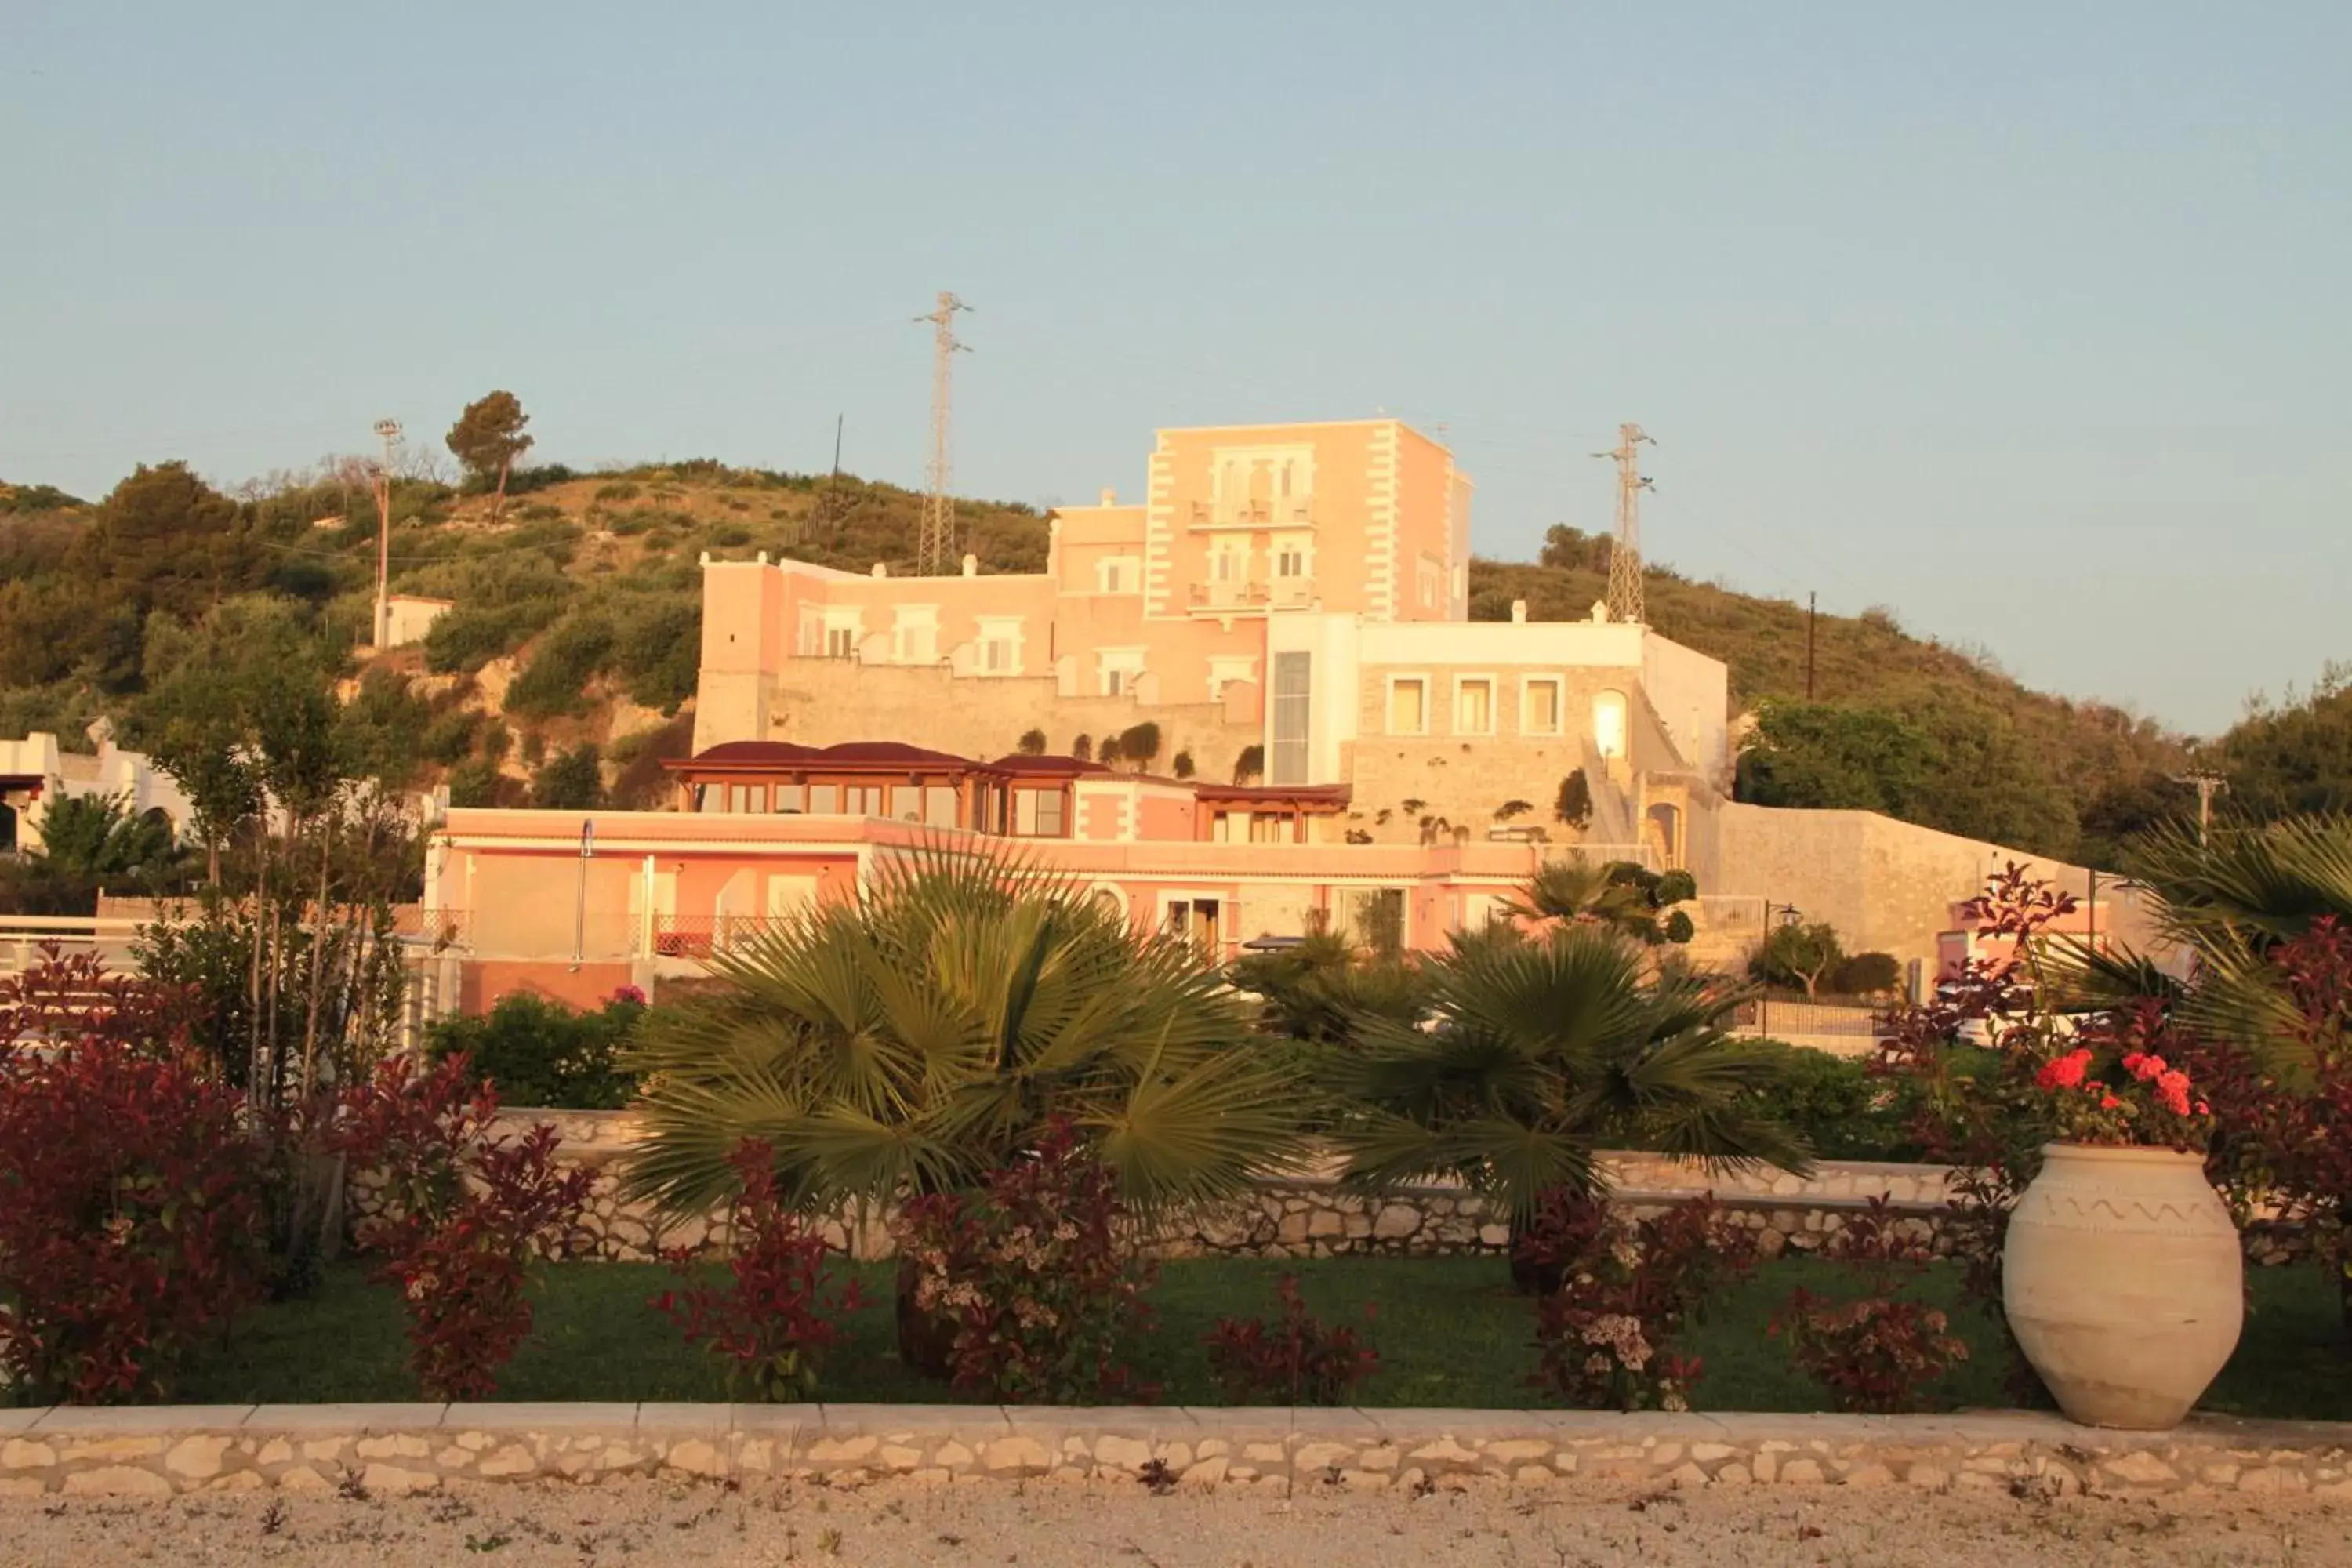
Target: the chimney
pixel 971 565
pixel 763 558
pixel 881 569
pixel 1109 495
pixel 1518 612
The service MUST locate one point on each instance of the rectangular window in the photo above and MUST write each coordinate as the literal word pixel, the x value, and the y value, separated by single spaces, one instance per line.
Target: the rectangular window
pixel 939 806
pixel 1293 697
pixel 747 797
pixel 840 642
pixel 1110 577
pixel 905 803
pixel 996 656
pixel 1037 813
pixel 792 798
pixel 1379 920
pixel 825 800
pixel 918 640
pixel 1474 706
pixel 1111 682
pixel 1408 705
pixel 1539 706
pixel 709 797
pixel 863 800
pixel 1290 560
pixel 1196 920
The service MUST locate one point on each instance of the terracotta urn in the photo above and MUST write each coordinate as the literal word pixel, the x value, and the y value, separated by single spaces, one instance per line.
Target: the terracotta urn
pixel 2124 1283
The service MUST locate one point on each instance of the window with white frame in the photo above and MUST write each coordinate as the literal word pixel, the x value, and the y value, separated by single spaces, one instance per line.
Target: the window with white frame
pixel 1540 705
pixel 1229 561
pixel 1117 668
pixel 1408 705
pixel 1427 578
pixel 1000 645
pixel 832 632
pixel 1291 555
pixel 1474 704
pixel 914 639
pixel 1119 574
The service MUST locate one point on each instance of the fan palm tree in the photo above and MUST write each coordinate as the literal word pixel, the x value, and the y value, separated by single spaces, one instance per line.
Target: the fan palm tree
pixel 2230 901
pixel 1537 1054
pixel 1617 894
pixel 925 1032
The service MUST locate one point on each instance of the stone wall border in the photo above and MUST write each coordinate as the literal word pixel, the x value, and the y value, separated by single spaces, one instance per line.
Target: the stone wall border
pixel 370 1449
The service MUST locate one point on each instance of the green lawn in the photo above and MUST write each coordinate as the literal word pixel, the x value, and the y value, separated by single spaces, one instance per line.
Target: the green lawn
pixel 1450 1331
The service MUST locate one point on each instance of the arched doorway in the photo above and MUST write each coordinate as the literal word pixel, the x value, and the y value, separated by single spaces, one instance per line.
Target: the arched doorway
pixel 1662 827
pixel 1609 724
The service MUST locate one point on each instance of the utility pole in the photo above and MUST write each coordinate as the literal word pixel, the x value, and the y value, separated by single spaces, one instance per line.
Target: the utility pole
pixel 1626 598
pixel 1810 616
pixel 388 431
pixel 2208 784
pixel 938 550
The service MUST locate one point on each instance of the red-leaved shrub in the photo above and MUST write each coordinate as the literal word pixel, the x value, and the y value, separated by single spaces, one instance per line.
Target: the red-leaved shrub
pixel 1297 1359
pixel 72 996
pixel 465 1212
pixel 1625 1290
pixel 776 1319
pixel 1031 1271
pixel 133 1220
pixel 2285 1142
pixel 1880 1352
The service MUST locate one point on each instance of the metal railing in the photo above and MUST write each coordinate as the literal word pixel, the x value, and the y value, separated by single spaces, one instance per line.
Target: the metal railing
pixel 700 936
pixel 1780 1016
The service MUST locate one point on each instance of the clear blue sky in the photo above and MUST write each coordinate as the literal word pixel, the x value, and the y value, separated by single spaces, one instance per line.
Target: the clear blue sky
pixel 2026 321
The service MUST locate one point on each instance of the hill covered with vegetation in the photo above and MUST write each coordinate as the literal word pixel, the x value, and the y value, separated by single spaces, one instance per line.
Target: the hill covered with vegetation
pixel 566 667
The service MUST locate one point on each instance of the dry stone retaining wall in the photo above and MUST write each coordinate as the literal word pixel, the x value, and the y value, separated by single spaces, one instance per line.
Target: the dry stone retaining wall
pixel 1310 1216
pixel 363 1449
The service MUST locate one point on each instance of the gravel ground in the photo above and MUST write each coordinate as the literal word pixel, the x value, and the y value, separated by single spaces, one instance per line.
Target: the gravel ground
pixel 1046 1526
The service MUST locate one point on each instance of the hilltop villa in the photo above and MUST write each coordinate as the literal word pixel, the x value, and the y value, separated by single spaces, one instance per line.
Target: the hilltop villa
pixel 1285 613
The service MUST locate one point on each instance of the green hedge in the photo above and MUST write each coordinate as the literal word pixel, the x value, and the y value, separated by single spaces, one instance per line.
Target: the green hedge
pixel 542 1053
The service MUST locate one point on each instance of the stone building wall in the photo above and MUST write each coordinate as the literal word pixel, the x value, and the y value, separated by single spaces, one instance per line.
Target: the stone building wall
pixel 825 702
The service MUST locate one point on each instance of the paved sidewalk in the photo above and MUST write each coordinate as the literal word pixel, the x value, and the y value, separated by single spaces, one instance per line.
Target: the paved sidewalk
pixel 1101 1524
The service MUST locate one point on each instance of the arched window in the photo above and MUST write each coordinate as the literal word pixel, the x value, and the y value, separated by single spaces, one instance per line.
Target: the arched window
pixel 1609 724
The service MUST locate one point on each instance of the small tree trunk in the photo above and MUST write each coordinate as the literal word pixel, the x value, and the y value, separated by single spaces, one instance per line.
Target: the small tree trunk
pixel 498 504
pixel 318 957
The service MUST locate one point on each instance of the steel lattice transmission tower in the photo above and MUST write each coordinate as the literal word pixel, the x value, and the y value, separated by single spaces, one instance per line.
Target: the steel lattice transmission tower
pixel 939 551
pixel 1625 600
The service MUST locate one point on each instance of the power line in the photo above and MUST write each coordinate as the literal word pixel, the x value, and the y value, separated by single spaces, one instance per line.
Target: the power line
pixel 939 549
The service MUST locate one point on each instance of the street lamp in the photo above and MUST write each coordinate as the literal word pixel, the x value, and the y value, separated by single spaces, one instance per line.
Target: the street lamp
pixel 580 912
pixel 388 432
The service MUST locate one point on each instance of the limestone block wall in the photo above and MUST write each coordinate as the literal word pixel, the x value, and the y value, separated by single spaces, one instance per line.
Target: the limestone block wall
pixel 1464 778
pixel 1887 886
pixel 824 702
